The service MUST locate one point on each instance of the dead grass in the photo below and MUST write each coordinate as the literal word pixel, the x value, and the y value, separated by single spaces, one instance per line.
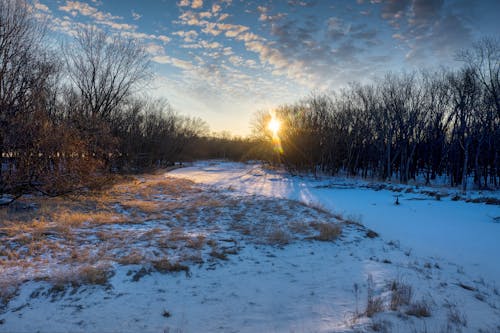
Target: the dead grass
pixel 401 294
pixel 135 257
pixel 165 266
pixel 196 242
pixel 419 309
pixel 168 217
pixel 78 218
pixel 374 304
pixel 278 236
pixel 144 206
pixel 84 274
pixel 94 275
pixel 327 231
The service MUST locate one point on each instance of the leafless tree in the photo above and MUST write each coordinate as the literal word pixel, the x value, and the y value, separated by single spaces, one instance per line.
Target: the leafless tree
pixel 105 69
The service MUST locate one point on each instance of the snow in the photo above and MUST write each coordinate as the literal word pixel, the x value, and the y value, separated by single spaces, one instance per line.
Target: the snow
pixel 456 231
pixel 445 250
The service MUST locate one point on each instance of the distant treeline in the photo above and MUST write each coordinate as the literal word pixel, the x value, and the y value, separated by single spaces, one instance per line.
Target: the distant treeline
pixel 71 114
pixel 427 124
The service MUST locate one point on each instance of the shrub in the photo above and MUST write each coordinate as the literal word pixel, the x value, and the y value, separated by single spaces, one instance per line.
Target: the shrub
pixel 278 237
pixel 401 294
pixel 374 303
pixel 419 309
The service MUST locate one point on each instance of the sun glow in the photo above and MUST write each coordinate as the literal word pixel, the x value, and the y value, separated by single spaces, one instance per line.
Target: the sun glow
pixel 274 126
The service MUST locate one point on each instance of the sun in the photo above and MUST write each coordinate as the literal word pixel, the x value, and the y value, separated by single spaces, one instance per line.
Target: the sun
pixel 274 126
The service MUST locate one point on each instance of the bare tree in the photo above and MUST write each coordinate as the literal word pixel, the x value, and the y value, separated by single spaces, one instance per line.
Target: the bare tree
pixel 25 74
pixel 484 59
pixel 105 70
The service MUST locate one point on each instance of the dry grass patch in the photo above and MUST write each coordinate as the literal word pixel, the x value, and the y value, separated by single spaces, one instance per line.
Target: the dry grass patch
pixel 85 274
pixel 94 274
pixel 374 304
pixel 278 236
pixel 135 257
pixel 419 309
pixel 165 266
pixel 145 206
pixel 401 294
pixel 327 231
pixel 196 242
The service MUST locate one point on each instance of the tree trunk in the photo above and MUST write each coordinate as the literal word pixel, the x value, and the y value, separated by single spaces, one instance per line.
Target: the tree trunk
pixel 464 170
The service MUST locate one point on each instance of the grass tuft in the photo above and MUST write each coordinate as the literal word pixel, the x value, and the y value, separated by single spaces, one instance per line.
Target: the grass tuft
pixel 401 294
pixel 419 309
pixel 327 231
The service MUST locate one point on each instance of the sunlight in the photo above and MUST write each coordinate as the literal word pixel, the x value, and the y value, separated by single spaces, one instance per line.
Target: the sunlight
pixel 274 126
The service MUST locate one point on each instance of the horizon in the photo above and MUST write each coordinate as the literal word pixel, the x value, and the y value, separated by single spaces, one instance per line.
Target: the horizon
pixel 224 60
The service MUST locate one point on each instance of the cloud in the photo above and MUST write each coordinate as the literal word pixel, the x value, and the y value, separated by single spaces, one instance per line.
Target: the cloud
pixel 197 4
pixel 41 7
pixel 165 59
pixel 223 17
pixel 136 16
pixel 216 8
pixel 187 36
pixel 428 27
pixel 394 9
pixel 82 8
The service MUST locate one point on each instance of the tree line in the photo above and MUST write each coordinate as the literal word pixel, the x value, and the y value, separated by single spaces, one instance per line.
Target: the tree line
pixel 71 114
pixel 427 124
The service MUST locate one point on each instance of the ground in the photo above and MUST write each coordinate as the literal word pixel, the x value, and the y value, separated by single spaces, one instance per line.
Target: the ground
pixel 242 248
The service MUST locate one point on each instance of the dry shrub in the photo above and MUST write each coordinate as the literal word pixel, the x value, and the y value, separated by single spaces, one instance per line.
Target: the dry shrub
pixel 94 274
pixel 87 274
pixel 165 266
pixel 374 303
pixel 178 234
pixel 401 294
pixel 218 254
pixel 135 257
pixel 278 236
pixel 327 231
pixel 419 309
pixel 196 242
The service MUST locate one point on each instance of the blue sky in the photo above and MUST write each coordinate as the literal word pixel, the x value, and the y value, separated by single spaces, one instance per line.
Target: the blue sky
pixel 222 60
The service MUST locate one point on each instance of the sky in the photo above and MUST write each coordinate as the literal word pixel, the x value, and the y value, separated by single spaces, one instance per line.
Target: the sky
pixel 223 60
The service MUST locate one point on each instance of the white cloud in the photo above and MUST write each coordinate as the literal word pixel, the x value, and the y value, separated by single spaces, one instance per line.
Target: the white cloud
pixel 165 59
pixel 188 36
pixel 41 7
pixel 136 16
pixel 197 4
pixel 216 8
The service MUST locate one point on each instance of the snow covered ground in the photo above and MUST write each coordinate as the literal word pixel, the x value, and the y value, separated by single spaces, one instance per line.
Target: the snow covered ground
pixel 256 262
pixel 464 233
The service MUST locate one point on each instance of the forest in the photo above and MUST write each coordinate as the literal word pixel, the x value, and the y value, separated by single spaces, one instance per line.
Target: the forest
pixel 74 114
